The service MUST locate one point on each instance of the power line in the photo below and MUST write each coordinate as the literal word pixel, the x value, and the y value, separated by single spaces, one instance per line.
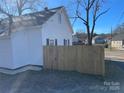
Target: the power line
pixel 122 15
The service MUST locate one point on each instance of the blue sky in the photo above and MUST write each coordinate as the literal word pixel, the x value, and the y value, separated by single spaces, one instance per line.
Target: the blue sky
pixel 111 19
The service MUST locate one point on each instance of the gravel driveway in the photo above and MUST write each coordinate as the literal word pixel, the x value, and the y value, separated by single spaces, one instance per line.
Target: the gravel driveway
pixel 64 82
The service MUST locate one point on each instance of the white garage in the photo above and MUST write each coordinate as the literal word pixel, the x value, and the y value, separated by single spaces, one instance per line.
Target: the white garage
pixel 22 49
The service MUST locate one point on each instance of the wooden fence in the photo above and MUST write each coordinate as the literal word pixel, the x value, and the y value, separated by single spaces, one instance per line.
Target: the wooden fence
pixel 84 59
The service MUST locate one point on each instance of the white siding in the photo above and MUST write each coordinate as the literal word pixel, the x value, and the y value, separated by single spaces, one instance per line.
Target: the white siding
pixel 5 53
pixel 26 44
pixel 117 44
pixel 27 47
pixel 53 29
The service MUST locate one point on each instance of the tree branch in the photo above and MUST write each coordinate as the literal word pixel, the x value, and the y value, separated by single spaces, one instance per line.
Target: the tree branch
pixel 91 3
pixel 4 12
pixel 85 22
pixel 94 18
pixel 102 13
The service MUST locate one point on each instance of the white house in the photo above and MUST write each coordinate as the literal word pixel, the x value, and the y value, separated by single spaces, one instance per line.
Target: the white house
pixel 118 41
pixel 98 40
pixel 22 49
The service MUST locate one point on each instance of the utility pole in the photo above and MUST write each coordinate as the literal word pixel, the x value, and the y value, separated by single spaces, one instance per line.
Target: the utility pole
pixel 111 40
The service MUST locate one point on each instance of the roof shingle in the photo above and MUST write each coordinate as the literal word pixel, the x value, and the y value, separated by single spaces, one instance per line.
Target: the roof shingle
pixel 31 19
pixel 118 37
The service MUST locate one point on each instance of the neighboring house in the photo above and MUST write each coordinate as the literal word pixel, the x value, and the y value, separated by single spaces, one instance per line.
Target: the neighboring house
pixel 108 38
pixel 79 38
pixel 118 41
pixel 98 40
pixel 75 38
pixel 23 47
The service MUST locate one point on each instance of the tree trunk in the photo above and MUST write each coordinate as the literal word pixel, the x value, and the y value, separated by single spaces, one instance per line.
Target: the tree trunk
pixel 89 41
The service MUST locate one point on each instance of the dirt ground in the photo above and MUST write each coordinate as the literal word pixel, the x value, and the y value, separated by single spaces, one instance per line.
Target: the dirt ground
pixel 114 55
pixel 46 81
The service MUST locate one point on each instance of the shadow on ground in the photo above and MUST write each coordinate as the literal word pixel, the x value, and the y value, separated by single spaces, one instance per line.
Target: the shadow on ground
pixel 64 82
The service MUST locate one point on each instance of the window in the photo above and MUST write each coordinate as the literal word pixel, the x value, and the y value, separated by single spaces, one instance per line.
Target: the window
pixel 56 42
pixel 123 42
pixel 59 18
pixel 47 42
pixel 51 42
pixel 66 42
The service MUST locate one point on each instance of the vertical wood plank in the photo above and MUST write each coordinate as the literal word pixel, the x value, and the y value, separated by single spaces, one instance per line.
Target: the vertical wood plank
pixel 84 59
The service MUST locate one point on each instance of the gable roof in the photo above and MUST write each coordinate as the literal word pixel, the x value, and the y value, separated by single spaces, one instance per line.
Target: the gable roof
pixel 37 18
pixel 98 37
pixel 118 37
pixel 31 19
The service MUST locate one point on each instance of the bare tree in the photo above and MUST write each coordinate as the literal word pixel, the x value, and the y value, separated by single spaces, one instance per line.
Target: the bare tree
pixel 19 7
pixel 89 11
pixel 31 5
pixel 7 14
pixel 119 29
pixel 10 8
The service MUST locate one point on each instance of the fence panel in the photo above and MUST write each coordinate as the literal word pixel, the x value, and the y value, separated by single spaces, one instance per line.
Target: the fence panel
pixel 84 59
